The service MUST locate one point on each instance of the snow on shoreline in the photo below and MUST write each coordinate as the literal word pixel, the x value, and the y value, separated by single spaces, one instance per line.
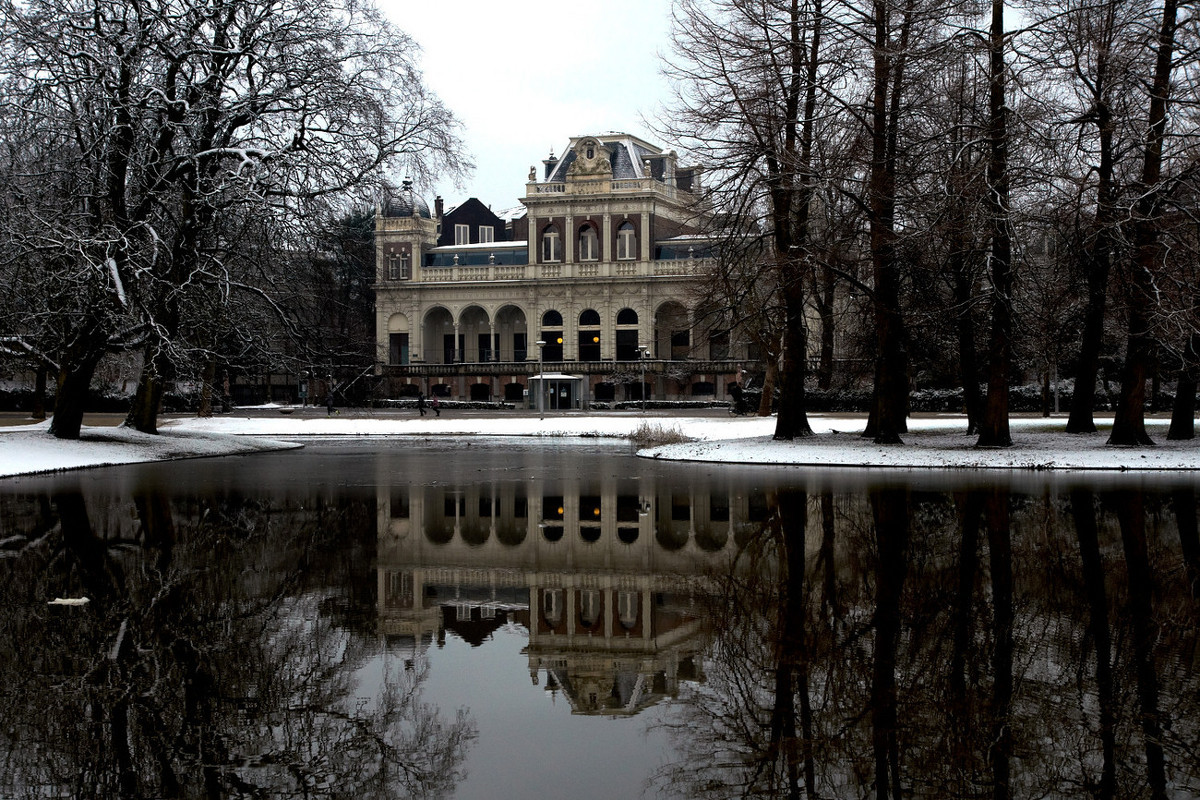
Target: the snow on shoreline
pixel 934 441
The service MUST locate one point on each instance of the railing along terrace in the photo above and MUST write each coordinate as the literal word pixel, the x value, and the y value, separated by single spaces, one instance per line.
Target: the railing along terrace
pixel 599 367
pixel 534 188
pixel 558 270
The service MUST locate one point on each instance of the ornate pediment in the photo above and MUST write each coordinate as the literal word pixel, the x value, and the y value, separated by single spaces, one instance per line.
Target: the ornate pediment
pixel 592 160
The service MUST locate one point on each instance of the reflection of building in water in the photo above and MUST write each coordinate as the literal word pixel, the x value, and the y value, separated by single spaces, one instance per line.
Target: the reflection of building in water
pixel 602 573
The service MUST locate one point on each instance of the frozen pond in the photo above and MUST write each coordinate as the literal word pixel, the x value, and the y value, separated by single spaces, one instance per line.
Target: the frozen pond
pixel 484 619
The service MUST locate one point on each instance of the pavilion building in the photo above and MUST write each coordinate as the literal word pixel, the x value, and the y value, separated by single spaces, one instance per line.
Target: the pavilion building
pixel 595 291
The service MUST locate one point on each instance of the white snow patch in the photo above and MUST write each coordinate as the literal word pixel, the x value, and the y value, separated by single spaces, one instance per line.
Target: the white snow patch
pixel 933 441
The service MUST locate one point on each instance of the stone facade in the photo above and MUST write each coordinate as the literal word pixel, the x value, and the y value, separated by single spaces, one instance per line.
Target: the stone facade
pixel 607 276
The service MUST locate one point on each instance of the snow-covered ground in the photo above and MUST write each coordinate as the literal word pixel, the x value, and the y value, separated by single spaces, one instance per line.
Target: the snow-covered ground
pixel 934 441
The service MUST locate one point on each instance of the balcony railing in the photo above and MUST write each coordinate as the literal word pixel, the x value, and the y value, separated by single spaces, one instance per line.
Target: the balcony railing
pixel 534 188
pixel 602 367
pixel 558 270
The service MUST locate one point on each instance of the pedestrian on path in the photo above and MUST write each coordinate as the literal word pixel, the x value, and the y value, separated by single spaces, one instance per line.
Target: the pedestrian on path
pixel 421 403
pixel 437 406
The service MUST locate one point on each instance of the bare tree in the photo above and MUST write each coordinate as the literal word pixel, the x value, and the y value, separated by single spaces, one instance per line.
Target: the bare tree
pixel 750 75
pixel 171 115
pixel 1129 424
pixel 993 426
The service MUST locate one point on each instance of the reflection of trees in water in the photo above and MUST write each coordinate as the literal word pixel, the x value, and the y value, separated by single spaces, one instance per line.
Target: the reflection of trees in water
pixel 967 644
pixel 207 662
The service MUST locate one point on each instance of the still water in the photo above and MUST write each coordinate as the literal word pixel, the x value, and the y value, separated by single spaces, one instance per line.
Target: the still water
pixel 400 618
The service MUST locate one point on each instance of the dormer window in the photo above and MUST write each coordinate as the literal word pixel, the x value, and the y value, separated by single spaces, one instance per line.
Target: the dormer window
pixel 589 244
pixel 462 234
pixel 591 152
pixel 487 233
pixel 551 244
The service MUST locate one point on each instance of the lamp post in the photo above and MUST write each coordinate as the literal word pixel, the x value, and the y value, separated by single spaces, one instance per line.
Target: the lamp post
pixel 643 350
pixel 541 381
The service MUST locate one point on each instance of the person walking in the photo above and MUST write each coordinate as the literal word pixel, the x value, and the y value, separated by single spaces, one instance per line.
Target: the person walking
pixel 437 405
pixel 421 403
pixel 329 403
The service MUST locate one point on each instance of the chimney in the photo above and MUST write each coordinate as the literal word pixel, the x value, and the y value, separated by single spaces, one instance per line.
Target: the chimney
pixel 550 163
pixel 437 207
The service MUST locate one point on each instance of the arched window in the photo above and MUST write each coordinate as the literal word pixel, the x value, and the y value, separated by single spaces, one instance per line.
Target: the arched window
pixel 589 335
pixel 627 335
pixel 626 241
pixel 589 244
pixel 551 244
pixel 552 334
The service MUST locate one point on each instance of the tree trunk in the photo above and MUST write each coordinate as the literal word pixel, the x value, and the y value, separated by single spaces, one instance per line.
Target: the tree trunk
pixel 72 396
pixel 792 238
pixel 770 376
pixel 1129 423
pixel 38 411
pixel 205 408
pixel 968 364
pixel 825 300
pixel 1183 411
pixel 993 427
pixel 1083 399
pixel 1099 262
pixel 793 418
pixel 889 407
pixel 147 400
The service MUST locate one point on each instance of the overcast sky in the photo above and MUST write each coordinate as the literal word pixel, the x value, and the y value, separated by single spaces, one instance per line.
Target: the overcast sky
pixel 525 76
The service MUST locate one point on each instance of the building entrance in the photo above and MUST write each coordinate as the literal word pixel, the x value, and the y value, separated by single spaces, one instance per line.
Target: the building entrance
pixel 562 392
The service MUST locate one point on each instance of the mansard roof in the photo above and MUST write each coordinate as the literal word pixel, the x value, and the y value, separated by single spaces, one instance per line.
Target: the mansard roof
pixel 628 153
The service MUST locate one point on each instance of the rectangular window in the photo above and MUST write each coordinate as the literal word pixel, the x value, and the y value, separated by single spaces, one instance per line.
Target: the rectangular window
pixel 589 245
pixel 718 345
pixel 462 234
pixel 393 268
pixel 680 345
pixel 398 348
pixel 626 243
pixel 487 233
pixel 550 246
